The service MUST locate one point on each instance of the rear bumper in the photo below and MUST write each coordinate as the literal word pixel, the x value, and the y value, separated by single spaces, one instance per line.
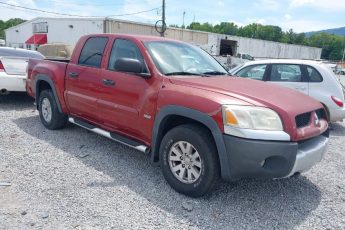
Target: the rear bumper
pixel 337 114
pixel 272 159
pixel 12 83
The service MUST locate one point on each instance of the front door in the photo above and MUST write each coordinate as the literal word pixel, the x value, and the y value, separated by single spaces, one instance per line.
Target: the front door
pixel 126 100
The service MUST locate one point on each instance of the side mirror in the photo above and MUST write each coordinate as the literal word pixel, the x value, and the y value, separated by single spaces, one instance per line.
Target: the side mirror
pixel 130 65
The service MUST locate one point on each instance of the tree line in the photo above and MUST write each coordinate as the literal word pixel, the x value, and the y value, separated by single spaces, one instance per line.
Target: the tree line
pixel 332 45
pixel 7 24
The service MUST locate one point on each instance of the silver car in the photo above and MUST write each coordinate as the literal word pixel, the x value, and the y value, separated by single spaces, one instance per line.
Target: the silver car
pixel 13 63
pixel 309 77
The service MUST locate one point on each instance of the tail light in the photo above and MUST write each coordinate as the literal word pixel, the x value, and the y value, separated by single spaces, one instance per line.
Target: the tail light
pixel 2 69
pixel 337 101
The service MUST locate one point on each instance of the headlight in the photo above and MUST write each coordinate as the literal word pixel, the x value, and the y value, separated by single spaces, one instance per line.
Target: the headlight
pixel 251 117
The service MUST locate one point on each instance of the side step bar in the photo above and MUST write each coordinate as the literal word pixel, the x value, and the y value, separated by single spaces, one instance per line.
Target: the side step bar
pixel 113 136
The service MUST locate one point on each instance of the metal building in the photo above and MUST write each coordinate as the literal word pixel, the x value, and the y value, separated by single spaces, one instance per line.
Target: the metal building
pixel 39 31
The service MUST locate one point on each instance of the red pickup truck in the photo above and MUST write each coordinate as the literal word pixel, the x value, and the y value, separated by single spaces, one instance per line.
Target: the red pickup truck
pixel 173 101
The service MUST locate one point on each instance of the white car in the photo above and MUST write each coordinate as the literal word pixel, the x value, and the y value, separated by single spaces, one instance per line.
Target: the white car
pixel 310 77
pixel 13 63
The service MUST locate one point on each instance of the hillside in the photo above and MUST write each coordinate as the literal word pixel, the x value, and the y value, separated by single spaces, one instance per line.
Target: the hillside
pixel 337 31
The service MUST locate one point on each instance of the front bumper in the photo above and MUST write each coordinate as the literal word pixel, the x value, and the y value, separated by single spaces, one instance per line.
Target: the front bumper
pixel 337 114
pixel 272 159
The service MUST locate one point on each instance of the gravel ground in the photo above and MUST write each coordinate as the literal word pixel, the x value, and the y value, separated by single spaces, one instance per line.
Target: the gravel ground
pixel 74 179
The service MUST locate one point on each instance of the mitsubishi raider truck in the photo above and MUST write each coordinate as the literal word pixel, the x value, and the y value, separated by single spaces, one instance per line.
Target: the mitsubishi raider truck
pixel 173 101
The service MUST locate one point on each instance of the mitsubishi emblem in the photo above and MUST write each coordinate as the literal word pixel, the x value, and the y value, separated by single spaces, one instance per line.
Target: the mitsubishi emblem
pixel 317 120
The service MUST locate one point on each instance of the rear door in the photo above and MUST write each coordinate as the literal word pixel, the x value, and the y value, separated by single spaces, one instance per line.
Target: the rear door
pixel 289 75
pixel 82 80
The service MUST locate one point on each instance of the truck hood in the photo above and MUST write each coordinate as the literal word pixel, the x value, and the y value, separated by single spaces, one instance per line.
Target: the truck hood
pixel 254 92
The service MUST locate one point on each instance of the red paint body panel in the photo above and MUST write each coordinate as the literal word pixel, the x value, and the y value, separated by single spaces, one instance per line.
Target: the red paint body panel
pixel 287 102
pixel 125 107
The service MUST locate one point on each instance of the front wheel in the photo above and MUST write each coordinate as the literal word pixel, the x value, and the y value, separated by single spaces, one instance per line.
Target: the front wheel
pixel 50 115
pixel 189 160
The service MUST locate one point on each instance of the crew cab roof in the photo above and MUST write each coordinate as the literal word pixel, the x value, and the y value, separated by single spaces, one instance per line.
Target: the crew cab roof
pixel 143 38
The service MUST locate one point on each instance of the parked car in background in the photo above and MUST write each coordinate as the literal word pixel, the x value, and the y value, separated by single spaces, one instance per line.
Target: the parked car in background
pixel 245 56
pixel 173 101
pixel 341 71
pixel 310 77
pixel 13 64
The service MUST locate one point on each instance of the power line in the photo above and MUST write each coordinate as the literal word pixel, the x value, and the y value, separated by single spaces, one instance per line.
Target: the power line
pixel 96 5
pixel 75 15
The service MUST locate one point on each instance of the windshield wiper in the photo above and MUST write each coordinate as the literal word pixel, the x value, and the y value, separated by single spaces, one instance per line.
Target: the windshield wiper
pixel 215 73
pixel 186 74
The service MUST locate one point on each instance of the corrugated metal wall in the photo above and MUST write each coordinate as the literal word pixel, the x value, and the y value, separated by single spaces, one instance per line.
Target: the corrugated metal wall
pixel 114 26
pixel 68 30
pixel 265 49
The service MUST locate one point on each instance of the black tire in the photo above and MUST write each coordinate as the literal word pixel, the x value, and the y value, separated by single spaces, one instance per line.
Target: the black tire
pixel 328 115
pixel 203 143
pixel 58 120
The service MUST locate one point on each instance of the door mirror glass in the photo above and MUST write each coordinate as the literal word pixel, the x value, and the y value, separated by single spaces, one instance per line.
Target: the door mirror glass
pixel 130 65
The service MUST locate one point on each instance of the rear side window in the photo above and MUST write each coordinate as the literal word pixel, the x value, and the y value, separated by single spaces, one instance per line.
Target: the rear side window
pixel 313 75
pixel 256 72
pixel 286 72
pixel 92 52
pixel 124 49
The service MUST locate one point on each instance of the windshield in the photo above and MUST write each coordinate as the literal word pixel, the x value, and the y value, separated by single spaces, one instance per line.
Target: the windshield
pixel 174 58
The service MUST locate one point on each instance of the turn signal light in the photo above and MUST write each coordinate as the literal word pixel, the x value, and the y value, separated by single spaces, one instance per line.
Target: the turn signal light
pixel 230 118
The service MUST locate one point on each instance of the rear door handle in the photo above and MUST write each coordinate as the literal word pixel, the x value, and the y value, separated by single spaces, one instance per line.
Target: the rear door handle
pixel 108 82
pixel 73 75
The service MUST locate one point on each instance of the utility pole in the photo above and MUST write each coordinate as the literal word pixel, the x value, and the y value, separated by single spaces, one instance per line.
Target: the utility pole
pixel 183 26
pixel 342 60
pixel 163 18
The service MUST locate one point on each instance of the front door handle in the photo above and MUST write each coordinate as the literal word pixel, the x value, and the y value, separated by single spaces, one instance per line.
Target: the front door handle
pixel 108 82
pixel 301 88
pixel 73 74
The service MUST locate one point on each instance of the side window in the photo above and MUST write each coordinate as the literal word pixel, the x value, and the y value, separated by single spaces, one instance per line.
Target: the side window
pixel 125 49
pixel 92 52
pixel 256 72
pixel 286 72
pixel 313 75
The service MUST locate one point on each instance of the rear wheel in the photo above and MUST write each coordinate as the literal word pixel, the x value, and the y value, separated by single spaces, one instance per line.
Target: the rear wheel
pixel 189 160
pixel 50 115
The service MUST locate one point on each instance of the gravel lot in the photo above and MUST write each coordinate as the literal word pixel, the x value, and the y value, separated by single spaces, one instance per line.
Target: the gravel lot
pixel 74 179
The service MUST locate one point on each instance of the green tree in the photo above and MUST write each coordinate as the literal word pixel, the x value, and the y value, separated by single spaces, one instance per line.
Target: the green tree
pixel 207 27
pixel 9 23
pixel 228 28
pixel 249 31
pixel 332 45
pixel 270 33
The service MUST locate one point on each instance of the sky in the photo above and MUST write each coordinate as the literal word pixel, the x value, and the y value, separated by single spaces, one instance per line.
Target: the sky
pixel 299 15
